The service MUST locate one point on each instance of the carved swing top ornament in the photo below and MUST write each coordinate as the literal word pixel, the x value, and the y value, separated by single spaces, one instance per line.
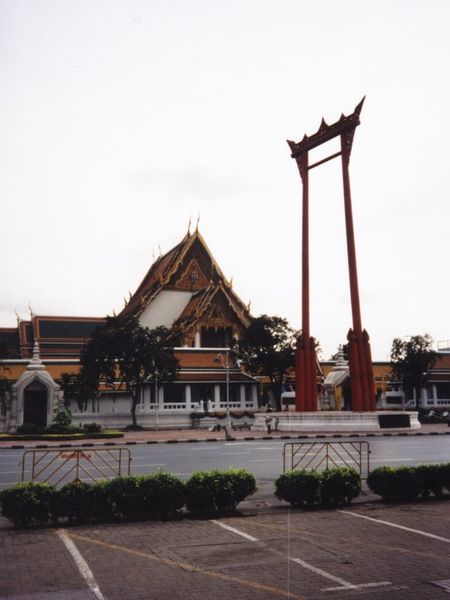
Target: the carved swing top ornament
pixel 345 127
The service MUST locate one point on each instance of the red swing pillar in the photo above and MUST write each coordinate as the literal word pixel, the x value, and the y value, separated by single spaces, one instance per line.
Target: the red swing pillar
pixel 305 360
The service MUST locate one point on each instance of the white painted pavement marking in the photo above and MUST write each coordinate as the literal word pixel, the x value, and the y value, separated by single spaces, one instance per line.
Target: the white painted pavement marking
pixel 389 460
pixel 82 565
pixel 136 462
pixel 342 583
pixel 360 585
pixel 234 530
pixel 381 522
pixel 233 453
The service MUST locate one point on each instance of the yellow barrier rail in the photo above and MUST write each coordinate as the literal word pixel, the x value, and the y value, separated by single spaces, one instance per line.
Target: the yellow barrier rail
pixel 317 456
pixel 60 466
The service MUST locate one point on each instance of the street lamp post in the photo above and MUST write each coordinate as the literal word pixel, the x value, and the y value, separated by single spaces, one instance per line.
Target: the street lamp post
pixel 226 364
pixel 156 401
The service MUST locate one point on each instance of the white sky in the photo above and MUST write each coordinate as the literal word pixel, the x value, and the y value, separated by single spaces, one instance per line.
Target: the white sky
pixel 120 119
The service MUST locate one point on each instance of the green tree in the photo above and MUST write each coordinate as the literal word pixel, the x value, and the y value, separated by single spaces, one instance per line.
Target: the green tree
pixel 124 353
pixel 267 348
pixel 410 362
pixel 70 386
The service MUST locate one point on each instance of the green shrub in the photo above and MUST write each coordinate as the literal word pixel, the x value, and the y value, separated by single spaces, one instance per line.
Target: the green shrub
pixel 124 498
pixel 63 416
pixel 162 495
pixel 430 480
pixel 445 475
pixel 92 428
pixel 29 429
pixel 137 497
pixel 74 502
pixel 64 429
pixel 339 486
pixel 29 503
pixel 209 492
pixel 395 484
pixel 308 488
pixel 298 487
pixel 100 507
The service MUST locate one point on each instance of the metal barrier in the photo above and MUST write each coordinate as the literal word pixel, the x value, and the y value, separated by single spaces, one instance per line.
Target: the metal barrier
pixel 317 456
pixel 74 464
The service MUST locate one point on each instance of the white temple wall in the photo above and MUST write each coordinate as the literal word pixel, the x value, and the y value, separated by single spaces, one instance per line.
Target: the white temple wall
pixel 113 410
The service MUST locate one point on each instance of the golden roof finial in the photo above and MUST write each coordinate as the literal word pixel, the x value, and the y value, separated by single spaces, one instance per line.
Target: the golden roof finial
pixel 198 221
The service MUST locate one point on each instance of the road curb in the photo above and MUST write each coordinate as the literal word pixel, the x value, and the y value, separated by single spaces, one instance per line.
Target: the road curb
pixel 85 444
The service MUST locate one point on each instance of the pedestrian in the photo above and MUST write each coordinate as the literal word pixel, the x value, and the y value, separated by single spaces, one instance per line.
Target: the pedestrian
pixel 268 424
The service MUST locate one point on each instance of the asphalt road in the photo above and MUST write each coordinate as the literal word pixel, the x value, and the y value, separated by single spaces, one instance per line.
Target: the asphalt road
pixel 264 458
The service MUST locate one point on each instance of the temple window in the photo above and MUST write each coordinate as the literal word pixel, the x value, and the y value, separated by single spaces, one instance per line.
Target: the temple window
pixel 216 337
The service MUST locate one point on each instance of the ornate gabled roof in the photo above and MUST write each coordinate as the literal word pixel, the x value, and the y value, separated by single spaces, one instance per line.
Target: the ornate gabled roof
pixel 152 280
pixel 189 267
pixel 217 303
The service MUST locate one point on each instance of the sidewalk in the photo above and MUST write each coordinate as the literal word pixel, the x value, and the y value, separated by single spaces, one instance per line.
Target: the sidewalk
pixel 202 435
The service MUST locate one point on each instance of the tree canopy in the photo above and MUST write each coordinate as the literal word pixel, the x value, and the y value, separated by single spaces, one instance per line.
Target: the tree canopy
pixel 267 348
pixel 411 360
pixel 123 353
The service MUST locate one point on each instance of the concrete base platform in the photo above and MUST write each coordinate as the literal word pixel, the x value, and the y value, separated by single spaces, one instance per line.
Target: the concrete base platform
pixel 334 421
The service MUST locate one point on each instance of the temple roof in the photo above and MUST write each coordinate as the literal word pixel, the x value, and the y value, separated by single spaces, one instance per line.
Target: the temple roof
pixel 196 282
pixel 61 337
pixel 182 287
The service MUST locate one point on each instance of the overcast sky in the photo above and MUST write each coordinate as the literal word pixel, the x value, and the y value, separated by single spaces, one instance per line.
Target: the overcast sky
pixel 122 119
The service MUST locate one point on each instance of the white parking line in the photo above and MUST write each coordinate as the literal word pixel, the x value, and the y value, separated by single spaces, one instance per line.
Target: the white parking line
pixel 381 522
pixel 342 583
pixel 389 460
pixel 82 565
pixel 136 463
pixel 233 453
pixel 234 530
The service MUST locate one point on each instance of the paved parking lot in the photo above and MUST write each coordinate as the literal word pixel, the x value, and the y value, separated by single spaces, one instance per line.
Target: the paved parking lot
pixel 369 551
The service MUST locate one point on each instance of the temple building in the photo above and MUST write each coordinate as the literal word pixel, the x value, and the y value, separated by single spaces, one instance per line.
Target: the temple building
pixel 184 290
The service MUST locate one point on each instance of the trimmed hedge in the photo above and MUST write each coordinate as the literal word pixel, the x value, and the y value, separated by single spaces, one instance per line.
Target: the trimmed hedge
pixel 331 487
pixel 160 495
pixel 339 486
pixel 209 492
pixel 406 484
pixel 298 487
pixel 28 504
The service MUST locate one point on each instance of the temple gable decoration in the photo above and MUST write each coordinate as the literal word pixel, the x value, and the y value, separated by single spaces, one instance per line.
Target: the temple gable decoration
pixel 193 277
